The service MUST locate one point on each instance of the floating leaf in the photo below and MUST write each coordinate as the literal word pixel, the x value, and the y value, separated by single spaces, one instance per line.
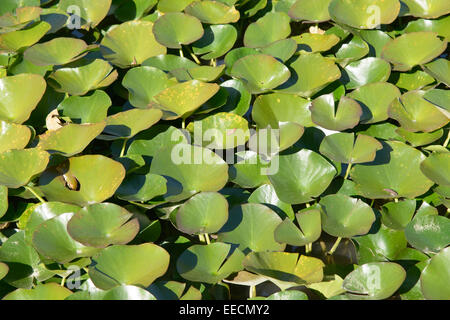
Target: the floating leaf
pixel 58 51
pixel 271 27
pixel 314 11
pixel 13 136
pixel 314 42
pixel 117 265
pixel 434 278
pixel 428 9
pixel 86 109
pixel 365 71
pixel 396 215
pixel 91 12
pixel 19 40
pixel 213 12
pixel 216 41
pixel 266 195
pixel 439 69
pixel 429 233
pixel 48 291
pixel 434 168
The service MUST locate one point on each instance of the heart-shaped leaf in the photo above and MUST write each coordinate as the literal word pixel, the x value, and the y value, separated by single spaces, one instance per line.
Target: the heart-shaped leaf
pixel 365 71
pixel 396 215
pixel 103 224
pixel 91 12
pixel 266 195
pixel 434 278
pixel 48 291
pixel 429 233
pixel 315 42
pixel 117 265
pixel 314 11
pixel 13 136
pixel 19 40
pixel 55 52
pixel 434 168
pixel 216 41
pixel 87 109
pixel 428 9
pixel 213 12
pixel 271 27
pixel 440 70
pixel 142 187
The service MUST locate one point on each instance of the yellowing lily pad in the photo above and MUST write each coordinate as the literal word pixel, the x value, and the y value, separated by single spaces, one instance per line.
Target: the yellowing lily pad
pixel 13 136
pixel 213 12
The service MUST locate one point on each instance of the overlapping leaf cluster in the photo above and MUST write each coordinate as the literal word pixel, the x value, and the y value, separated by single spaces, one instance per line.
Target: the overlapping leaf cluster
pixel 95 96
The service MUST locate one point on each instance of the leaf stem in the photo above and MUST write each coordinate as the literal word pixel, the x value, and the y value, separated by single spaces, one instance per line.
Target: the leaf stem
pixel 252 292
pixel 183 123
pixel 371 203
pixel 336 244
pixel 213 62
pixel 124 145
pixel 446 142
pixel 396 200
pixel 308 247
pixel 34 194
pixel 181 52
pixel 63 281
pixel 208 241
pixel 201 237
pixel 348 171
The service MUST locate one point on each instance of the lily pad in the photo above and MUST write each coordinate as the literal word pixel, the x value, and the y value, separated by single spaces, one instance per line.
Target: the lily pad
pixel 193 168
pixel 205 212
pixel 87 179
pixel 343 147
pixel 388 177
pixel 439 69
pixel 411 49
pixel 429 233
pixel 285 269
pixel 102 224
pixel 414 113
pixel 397 215
pixel 173 5
pixel 175 29
pixel 87 109
pixel 354 50
pixel 266 195
pixel 242 224
pixel 311 11
pixel 434 167
pixel 70 139
pixel 365 71
pixel 213 12
pixel 271 109
pixel 315 42
pixel 15 106
pixel 79 81
pixel 374 281
pixel 48 291
pixel 367 14
pixel 17 167
pixel 271 27
pixel 91 12
pixel 249 170
pixel 216 41
pixel 345 217
pixel 19 40
pixel 434 278
pixel 117 265
pixel 142 187
pixel 281 49
pixel 260 72
pixel 13 136
pixel 375 99
pixel 124 51
pixel 182 99
pixel 310 73
pixel 302 176
pixel 209 263
pixel 428 9
pixel 58 51
pixel 308 230
pixel 324 114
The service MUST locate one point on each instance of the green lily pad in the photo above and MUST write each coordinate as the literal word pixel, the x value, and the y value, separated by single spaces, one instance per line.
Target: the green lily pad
pixel 220 131
pixel 102 224
pixel 213 12
pixel 124 292
pixel 52 240
pixel 365 71
pixel 266 195
pixel 439 97
pixel 87 179
pixel 429 233
pixel 134 10
pixel 4 269
pixel 55 52
pixel 396 215
pixel 13 136
pixel 440 70
pixel 354 50
pixel 209 263
pixel 3 200
pixel 216 41
pixel 169 62
pixel 440 26
pixel 375 99
pixel 311 11
pixel 374 281
pixel 324 113
pixel 368 14
pixel 173 290
pixel 182 99
pixel 15 106
pixel 345 217
pixel 142 187
pixel 47 291
pixel 343 147
pixel 173 5
pixel 428 9
pixel 128 123
pixel 434 278
pixel 302 176
pixel 330 288
pixel 20 40
pixel 249 170
pixel 175 29
pixel 193 168
pixel 17 167
pixel 414 113
pixel 242 224
pixel 315 42
pixel 87 109
pixel 310 74
pixel 434 167
pixel 282 49
pixel 238 100
pixel 117 265
pixel 285 269
pixel 270 109
pixel 260 72
pixel 205 212
pixel 420 138
pixel 389 177
pixel 235 54
pixel 91 12
pixel 70 139
pixel 272 27
pixel 411 49
pixel 79 81
pixel 288 295
pixel 124 51
pixel 413 80
pixel 13 5
pixel 308 230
